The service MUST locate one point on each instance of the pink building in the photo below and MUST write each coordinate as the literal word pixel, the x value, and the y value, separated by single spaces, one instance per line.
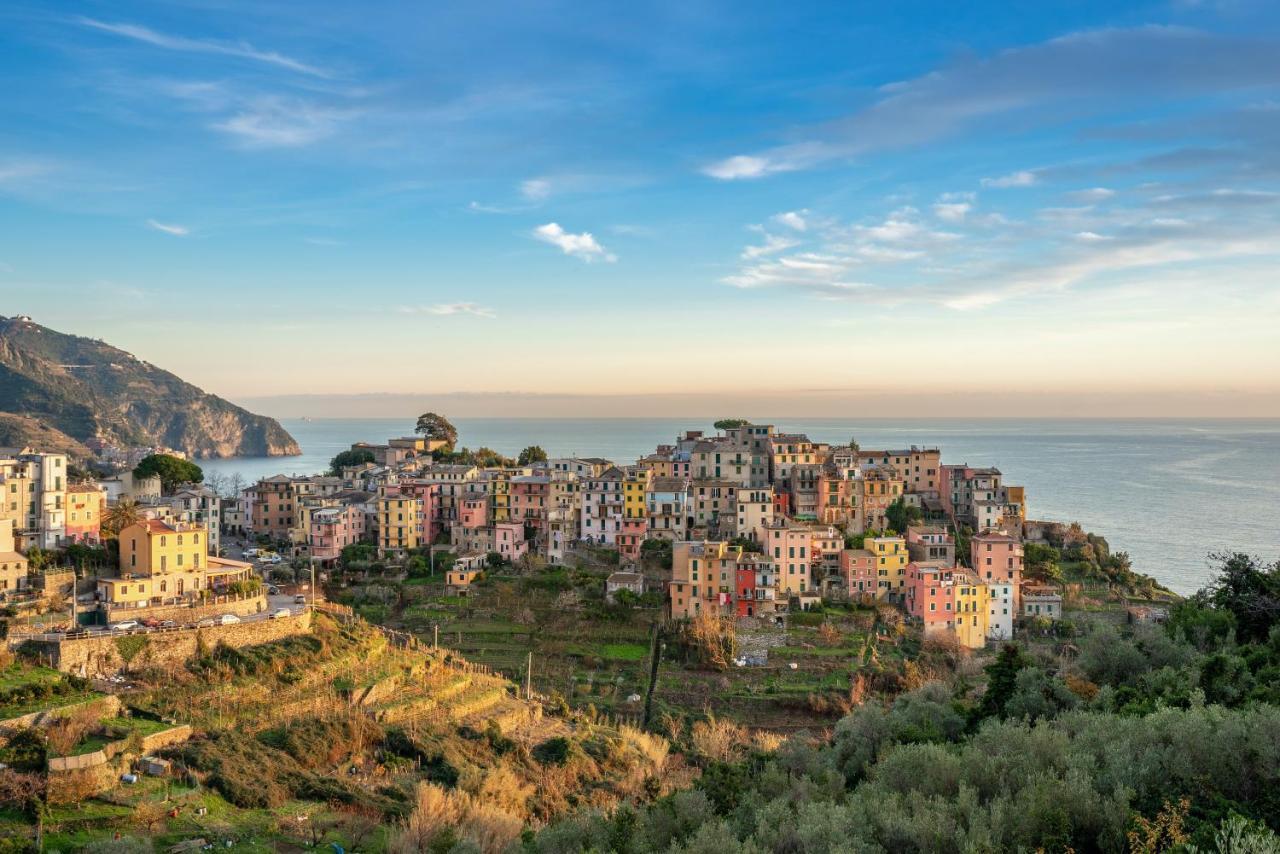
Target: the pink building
pixel 930 587
pixel 473 510
pixel 85 503
pixel 530 499
pixel 509 541
pixel 631 536
pixel 998 558
pixel 861 578
pixel 334 528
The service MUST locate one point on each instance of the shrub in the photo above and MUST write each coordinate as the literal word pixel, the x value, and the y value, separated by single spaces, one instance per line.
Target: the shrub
pixel 553 751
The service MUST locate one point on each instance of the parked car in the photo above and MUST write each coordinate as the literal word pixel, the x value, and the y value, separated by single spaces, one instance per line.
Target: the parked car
pixel 301 599
pixel 125 626
pixel 151 623
pixel 167 624
pixel 281 612
pixel 273 590
pixel 228 619
pixel 207 622
pixel 250 552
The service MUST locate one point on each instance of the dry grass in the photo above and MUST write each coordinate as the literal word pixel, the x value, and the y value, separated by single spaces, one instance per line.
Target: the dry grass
pixel 439 814
pixel 715 638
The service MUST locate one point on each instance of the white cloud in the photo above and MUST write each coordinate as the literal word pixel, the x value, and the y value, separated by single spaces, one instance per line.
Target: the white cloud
pixel 449 309
pixel 169 228
pixel 13 171
pixel 583 246
pixel 952 211
pixel 536 189
pixel 1081 76
pixel 793 219
pixel 1014 179
pixel 1091 236
pixel 273 122
pixel 1093 194
pixel 741 166
pixel 773 243
pixel 242 50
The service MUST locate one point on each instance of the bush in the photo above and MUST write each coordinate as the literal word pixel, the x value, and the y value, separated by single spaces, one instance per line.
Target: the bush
pixel 553 751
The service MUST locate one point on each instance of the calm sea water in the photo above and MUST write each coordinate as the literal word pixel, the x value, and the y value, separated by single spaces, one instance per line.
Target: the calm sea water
pixel 1168 492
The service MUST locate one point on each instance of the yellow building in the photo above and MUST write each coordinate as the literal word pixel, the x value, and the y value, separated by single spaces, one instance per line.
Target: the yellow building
pixel 399 523
pixel 500 495
pixel 161 562
pixel 633 488
pixel 891 559
pixel 152 547
pixel 971 611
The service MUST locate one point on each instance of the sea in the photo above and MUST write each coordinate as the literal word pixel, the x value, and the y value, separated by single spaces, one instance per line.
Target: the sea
pixel 1170 492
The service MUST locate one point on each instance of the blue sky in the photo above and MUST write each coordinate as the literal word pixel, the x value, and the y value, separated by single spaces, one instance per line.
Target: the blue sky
pixel 701 198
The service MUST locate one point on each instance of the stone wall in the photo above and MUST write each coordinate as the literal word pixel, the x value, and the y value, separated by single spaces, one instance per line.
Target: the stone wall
pixel 106 706
pixel 101 656
pixel 182 614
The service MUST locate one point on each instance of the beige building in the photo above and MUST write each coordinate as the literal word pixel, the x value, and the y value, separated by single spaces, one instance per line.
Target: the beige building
pixel 13 566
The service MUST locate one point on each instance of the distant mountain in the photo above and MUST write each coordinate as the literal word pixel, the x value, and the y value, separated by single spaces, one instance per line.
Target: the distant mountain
pixel 63 390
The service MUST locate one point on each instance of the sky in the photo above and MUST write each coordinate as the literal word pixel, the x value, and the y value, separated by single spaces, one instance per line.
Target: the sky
pixel 928 208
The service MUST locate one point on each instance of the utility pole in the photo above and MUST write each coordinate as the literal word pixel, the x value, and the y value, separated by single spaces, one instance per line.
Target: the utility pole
pixel 528 677
pixel 435 636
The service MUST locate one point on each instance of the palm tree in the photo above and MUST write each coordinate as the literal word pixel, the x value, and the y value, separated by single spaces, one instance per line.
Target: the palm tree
pixel 119 516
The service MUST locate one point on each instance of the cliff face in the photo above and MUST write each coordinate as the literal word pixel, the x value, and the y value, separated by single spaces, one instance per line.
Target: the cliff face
pixel 83 388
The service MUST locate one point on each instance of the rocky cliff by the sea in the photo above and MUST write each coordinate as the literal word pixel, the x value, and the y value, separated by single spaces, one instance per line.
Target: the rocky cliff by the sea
pixel 58 389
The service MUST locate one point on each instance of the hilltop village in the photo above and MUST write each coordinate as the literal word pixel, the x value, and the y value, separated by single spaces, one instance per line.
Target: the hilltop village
pixel 748 522
pixel 431 648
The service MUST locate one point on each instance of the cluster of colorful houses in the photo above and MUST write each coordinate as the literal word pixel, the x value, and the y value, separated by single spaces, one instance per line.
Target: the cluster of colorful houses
pixel 759 522
pixel 168 554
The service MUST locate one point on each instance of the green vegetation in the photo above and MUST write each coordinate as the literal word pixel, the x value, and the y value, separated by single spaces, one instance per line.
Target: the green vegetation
pixel 437 427
pixel 25 688
pixel 730 423
pixel 173 471
pixel 532 454
pixel 353 457
pixel 900 515
pixel 1142 738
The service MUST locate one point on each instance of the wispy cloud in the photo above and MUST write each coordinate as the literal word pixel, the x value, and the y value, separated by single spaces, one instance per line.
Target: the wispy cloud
pixel 583 246
pixel 169 228
pixel 745 166
pixel 900 259
pixel 952 211
pixel 1093 194
pixel 793 219
pixel 535 189
pixel 1084 73
pixel 273 122
pixel 450 309
pixel 241 50
pixel 13 171
pixel 773 243
pixel 1022 178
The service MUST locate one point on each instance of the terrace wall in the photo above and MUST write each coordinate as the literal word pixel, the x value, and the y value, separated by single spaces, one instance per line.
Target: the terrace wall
pixel 180 614
pixel 100 656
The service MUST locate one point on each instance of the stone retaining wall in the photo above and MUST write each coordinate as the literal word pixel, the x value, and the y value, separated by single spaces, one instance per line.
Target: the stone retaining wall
pixel 106 706
pixel 101 656
pixel 182 614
